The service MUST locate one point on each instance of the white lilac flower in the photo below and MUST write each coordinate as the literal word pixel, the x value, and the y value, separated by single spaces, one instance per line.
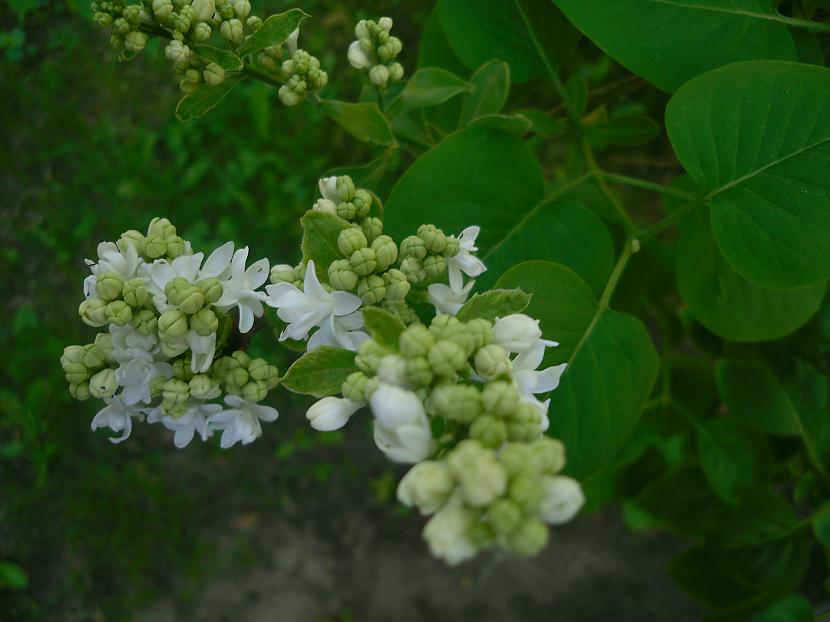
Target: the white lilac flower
pixel 562 498
pixel 358 57
pixel 112 260
pixel 402 429
pixel 118 417
pixel 447 536
pixel 239 290
pixel 447 300
pixel 464 261
pixel 428 485
pixel 335 313
pixel 332 413
pixel 202 350
pixel 139 362
pixel 543 408
pixel 526 363
pixel 241 422
pixel 195 420
pixel 517 332
pixel 189 267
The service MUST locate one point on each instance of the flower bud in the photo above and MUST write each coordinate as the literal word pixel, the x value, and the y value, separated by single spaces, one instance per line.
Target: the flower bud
pixel 241 7
pixel 489 431
pixel 241 358
pixel 427 486
pixel 413 269
pixel 358 58
pixel 418 372
pixel 385 23
pixel 526 491
pixel 72 354
pixel 283 273
pixel 103 343
pixel 326 206
pixel 372 288
pixel 395 71
pixel 504 515
pixel 192 300
pixel 379 76
pixel 237 378
pixel 446 534
pixel 203 387
pixel 155 247
pixel 345 188
pixel 461 335
pixel 93 311
pixel 341 275
pixel 261 371
pixel 458 402
pixel 446 358
pixel 102 19
pixel 233 31
pixel 254 23
pixel 103 384
pixel 397 285
pixel 161 227
pixel 332 413
pixel 433 238
pixel 224 9
pixel 372 227
pixel 202 32
pixel 121 26
pixel 211 289
pixel 369 353
pixel 351 240
pixel 492 361
pixel 452 247
pixel 561 499
pixel 214 74
pixel 386 251
pixel 529 537
pixel 434 266
pixel 135 41
pixel 363 261
pixel 254 391
pixel 500 398
pixel 204 322
pixel 108 286
pixel 94 356
pixel 415 341
pixel 482 332
pixel 203 10
pixel 346 210
pixel 175 392
pixel 80 391
pixel 182 369
pixel 131 238
pixel 413 246
pixel 145 322
pixel 481 477
pixel 517 332
pixel 134 292
pixel 119 312
pixel 363 203
pixel 548 455
pixel 439 323
pixel 172 324
pixel 76 372
pixel 354 387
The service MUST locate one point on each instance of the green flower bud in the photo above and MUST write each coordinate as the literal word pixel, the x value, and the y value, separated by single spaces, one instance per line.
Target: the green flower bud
pixel 283 273
pixel 131 238
pixel 145 322
pixel 103 342
pixel 237 378
pixel 492 361
pixel 155 247
pixel 481 535
pixel 447 358
pixel 261 371
pixel 523 431
pixel 254 23
pixel 363 261
pixel 368 356
pixel 397 285
pixel 372 228
pixel 489 431
pixel 233 31
pixel 416 341
pixel 225 10
pixel 433 238
pixel 175 246
pixel 515 458
pixel 201 32
pixel 371 289
pixel 351 240
pixel 354 386
pixel 121 26
pixel 386 251
pixel 109 286
pixel 379 76
pixel 118 312
pixel 182 369
pixel 241 7
pixel 529 537
pixel 482 331
pixel 103 384
pixel 363 203
pixel 406 313
pixel 458 402
pixel 460 334
pixel 211 290
pixel 242 358
pixel 204 322
pixel 482 479
pixel 76 372
pixel 452 247
pixel 500 398
pixel 162 9
pixel 72 354
pixel 134 292
pixel 434 266
pixel 345 188
pixel 94 356
pixel 526 490
pixel 102 19
pixel 341 275
pixel 504 515
pixel 439 323
pixel 172 324
pixel 395 71
pixel 80 391
pixel 346 210
pixel 175 392
pixel 548 455
pixel 214 74
pixel 419 372
pixel 413 269
pixel 254 391
pixel 135 41
pixel 157 386
pixel 413 246
pixel 161 227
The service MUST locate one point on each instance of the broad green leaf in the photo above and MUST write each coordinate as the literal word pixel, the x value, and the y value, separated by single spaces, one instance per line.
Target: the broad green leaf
pixel 514 124
pixel 756 137
pixel 495 29
pixel 429 86
pixel 733 458
pixel 667 42
pixel 728 304
pixel 384 327
pixel 491 85
pixel 320 233
pixel 320 372
pixel 494 303
pixel 553 36
pixel 696 571
pixel 435 50
pixel 363 121
pixel 628 131
pixel 206 98
pixel 611 367
pixel 369 175
pixel 226 59
pixel 275 30
pixel 543 124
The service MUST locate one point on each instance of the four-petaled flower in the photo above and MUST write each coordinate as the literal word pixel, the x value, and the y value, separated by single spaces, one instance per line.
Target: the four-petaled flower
pixel 447 300
pixel 239 290
pixel 241 422
pixel 195 420
pixel 118 417
pixel 465 261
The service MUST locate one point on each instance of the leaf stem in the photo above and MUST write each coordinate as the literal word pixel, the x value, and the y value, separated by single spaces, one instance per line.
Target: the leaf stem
pixel 599 176
pixel 616 273
pixel 646 185
pixel 263 76
pixel 668 221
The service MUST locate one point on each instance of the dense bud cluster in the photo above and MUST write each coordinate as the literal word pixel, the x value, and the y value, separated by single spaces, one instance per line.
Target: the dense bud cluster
pixel 166 314
pixel 303 75
pixel 375 51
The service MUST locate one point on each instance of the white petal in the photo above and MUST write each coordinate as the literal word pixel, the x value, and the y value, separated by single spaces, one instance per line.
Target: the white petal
pixel 311 285
pixel 219 260
pixel 257 274
pixel 246 318
pixel 548 379
pixel 345 303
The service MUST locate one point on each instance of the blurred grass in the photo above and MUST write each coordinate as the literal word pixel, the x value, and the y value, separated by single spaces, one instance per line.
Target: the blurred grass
pixel 91 148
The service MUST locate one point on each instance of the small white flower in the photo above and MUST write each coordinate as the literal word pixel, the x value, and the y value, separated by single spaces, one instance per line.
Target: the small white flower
pixel 332 413
pixel 202 349
pixel 517 332
pixel 340 332
pixel 446 534
pixel 562 498
pixel 464 261
pixel 358 57
pixel 195 420
pixel 447 300
pixel 527 378
pixel 139 362
pixel 428 485
pixel 127 265
pixel 239 290
pixel 118 417
pixel 402 429
pixel 241 422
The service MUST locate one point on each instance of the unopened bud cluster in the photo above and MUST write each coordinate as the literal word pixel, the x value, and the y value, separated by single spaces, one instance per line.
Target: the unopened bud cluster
pixel 375 51
pixel 165 314
pixel 304 76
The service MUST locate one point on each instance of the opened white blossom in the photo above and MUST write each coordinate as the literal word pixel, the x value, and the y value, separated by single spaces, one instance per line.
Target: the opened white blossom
pixel 562 498
pixel 525 365
pixel 464 261
pixel 195 420
pixel 118 417
pixel 111 260
pixel 241 423
pixel 332 413
pixel 447 300
pixel 240 289
pixel 140 362
pixel 402 430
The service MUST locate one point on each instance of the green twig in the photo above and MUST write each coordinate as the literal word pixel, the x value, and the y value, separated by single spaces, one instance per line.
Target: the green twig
pixel 647 185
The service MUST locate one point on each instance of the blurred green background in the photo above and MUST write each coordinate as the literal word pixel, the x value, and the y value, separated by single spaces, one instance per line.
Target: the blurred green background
pixel 91 148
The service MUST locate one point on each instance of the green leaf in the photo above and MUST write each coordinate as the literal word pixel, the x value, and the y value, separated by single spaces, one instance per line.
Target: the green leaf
pixel 495 29
pixel 12 576
pixel 369 175
pixel 320 372
pixel 320 233
pixel 226 59
pixel 384 327
pixel 728 304
pixel 435 50
pixel 696 571
pixel 515 124
pixel 667 42
pixel 756 137
pixel 553 36
pixel 491 85
pixel 611 366
pixel 275 30
pixel 429 86
pixel 821 526
pixel 363 121
pixel 733 458
pixel 628 131
pixel 543 124
pixel 791 608
pixel 206 98
pixel 494 303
